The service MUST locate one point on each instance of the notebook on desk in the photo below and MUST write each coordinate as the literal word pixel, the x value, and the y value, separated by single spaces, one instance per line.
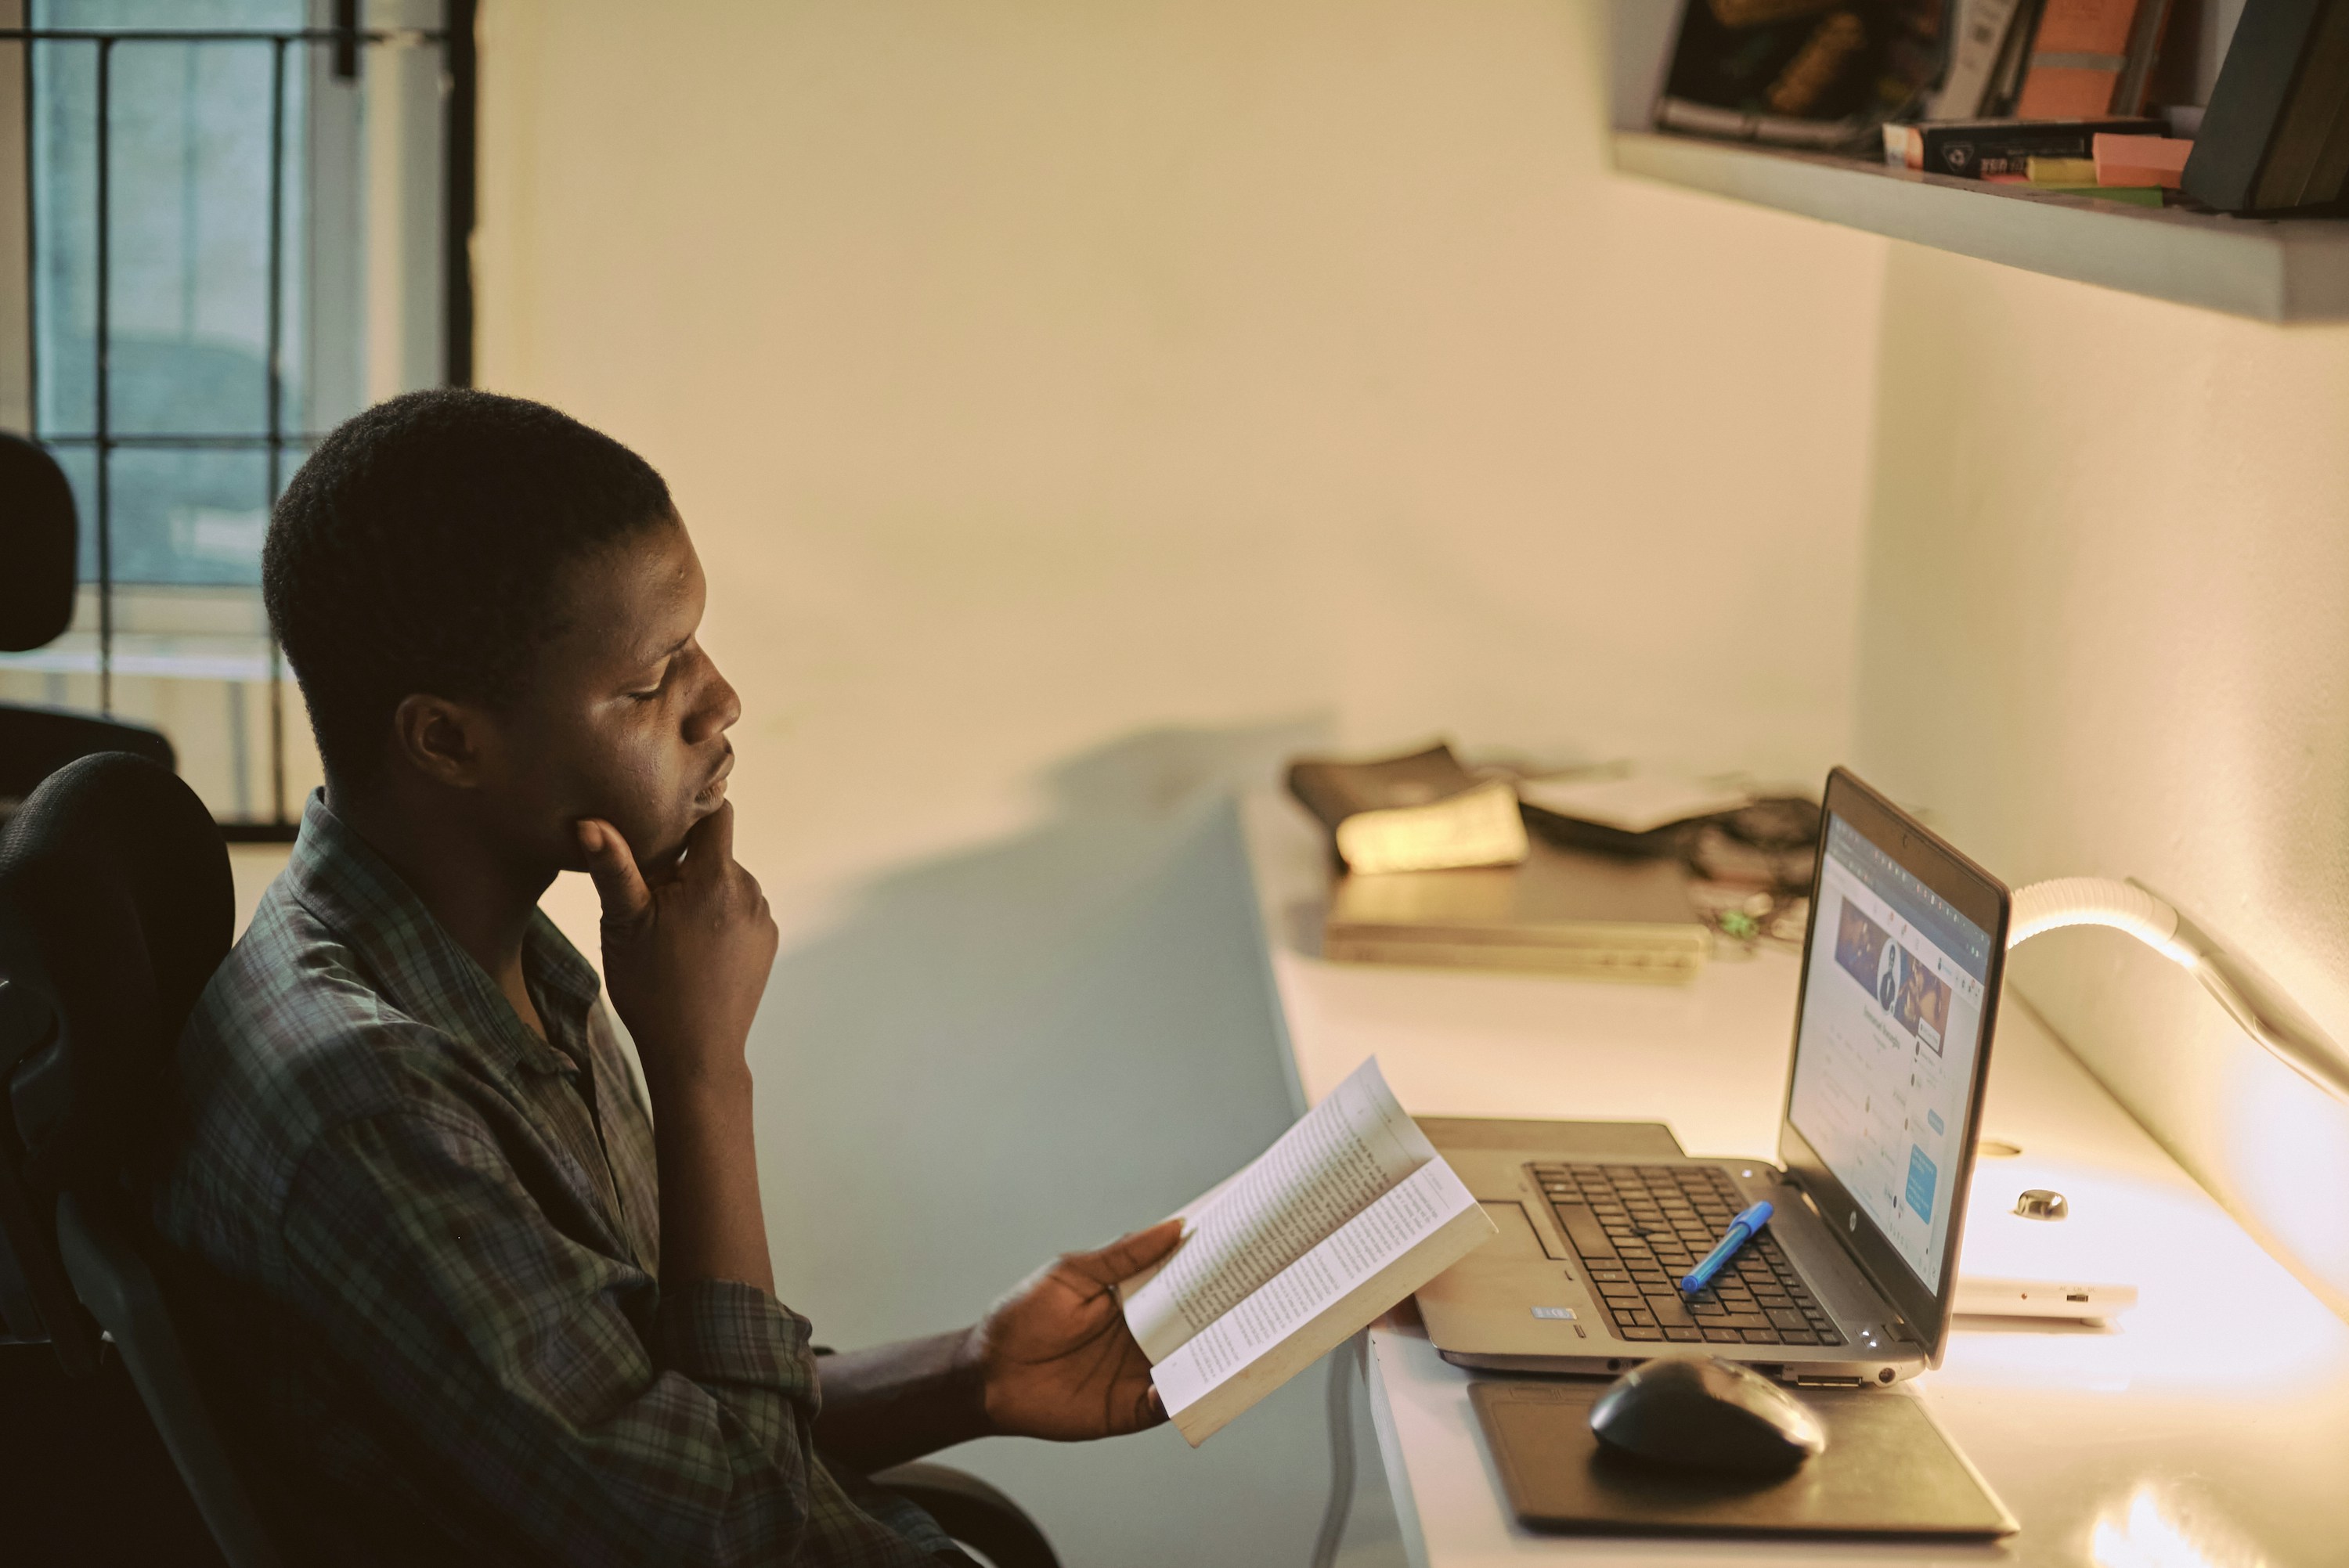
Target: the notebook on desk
pixel 1561 910
pixel 1853 1279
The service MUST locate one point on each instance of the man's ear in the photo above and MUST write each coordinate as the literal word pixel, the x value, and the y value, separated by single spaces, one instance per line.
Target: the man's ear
pixel 443 740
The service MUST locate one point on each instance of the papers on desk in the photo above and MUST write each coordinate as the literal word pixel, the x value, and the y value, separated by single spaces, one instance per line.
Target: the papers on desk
pixel 1632 803
pixel 1348 1213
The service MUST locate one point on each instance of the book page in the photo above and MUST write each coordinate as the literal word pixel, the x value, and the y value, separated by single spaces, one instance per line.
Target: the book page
pixel 1401 1241
pixel 1346 1152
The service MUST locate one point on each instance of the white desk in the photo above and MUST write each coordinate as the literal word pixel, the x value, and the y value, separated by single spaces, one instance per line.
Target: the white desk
pixel 2210 1428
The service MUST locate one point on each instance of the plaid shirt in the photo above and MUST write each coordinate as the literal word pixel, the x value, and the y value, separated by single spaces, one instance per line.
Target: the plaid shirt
pixel 422 1259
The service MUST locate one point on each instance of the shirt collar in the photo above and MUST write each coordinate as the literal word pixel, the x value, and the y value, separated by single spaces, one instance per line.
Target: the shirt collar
pixel 422 970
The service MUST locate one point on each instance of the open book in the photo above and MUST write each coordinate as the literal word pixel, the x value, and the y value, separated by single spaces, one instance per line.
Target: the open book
pixel 1351 1211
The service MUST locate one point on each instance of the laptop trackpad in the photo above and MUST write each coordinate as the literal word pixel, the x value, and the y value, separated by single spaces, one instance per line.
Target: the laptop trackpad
pixel 1517 1240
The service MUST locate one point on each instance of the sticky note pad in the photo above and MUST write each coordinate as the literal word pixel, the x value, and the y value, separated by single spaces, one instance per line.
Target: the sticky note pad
pixel 2063 170
pixel 2140 160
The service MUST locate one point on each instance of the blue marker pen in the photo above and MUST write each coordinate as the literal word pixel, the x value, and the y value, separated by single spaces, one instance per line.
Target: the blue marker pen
pixel 1741 1230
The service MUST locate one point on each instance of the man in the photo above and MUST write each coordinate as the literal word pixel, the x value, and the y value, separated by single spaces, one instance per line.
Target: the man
pixel 465 1301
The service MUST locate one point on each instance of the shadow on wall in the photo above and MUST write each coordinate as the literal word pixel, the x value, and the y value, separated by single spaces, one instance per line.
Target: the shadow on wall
pixel 1035 1046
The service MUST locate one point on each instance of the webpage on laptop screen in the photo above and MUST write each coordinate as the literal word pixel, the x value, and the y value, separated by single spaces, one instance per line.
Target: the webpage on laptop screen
pixel 1891 1026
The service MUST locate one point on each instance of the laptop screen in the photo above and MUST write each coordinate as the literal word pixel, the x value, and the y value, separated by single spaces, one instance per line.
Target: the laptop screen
pixel 1890 1037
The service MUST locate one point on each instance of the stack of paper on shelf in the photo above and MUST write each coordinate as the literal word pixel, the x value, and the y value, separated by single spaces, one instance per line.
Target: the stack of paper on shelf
pixel 2140 161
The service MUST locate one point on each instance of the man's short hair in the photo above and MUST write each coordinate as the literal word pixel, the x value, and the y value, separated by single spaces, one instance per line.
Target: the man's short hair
pixel 421 547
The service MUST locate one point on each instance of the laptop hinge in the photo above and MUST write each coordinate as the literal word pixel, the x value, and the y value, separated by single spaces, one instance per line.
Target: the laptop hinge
pixel 1894 1323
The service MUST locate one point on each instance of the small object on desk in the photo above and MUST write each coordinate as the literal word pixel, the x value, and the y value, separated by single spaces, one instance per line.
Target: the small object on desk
pixel 1420 812
pixel 1561 911
pixel 2059 1302
pixel 1706 1414
pixel 1886 1470
pixel 1741 1231
pixel 2021 1261
pixel 2134 160
pixel 1753 868
pixel 2038 1203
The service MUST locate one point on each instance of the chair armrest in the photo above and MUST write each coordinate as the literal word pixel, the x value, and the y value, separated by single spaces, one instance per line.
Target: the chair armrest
pixel 977 1515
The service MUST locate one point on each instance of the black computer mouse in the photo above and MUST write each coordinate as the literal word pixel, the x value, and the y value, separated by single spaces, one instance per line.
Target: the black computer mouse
pixel 1706 1414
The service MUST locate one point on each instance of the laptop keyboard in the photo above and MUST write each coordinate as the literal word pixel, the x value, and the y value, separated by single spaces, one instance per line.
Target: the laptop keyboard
pixel 1639 1228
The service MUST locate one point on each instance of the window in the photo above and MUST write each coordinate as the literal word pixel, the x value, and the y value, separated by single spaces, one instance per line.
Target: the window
pixel 237 222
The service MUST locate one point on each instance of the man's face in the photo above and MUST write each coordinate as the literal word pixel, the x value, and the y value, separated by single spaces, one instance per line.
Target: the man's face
pixel 624 716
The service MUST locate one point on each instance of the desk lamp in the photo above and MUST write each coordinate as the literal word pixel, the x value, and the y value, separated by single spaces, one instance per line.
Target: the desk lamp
pixel 2251 998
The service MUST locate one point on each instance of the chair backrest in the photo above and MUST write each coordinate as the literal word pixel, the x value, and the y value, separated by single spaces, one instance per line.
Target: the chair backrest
pixel 116 906
pixel 39 545
pixel 39 537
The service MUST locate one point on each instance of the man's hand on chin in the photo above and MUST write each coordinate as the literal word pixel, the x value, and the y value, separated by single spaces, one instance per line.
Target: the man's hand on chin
pixel 1056 1356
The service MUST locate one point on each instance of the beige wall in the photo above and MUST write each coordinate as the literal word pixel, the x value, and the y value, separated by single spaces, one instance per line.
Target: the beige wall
pixel 1077 404
pixel 1036 376
pixel 2107 632
pixel 1035 372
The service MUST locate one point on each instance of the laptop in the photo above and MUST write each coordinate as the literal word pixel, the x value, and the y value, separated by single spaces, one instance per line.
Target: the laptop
pixel 1854 1279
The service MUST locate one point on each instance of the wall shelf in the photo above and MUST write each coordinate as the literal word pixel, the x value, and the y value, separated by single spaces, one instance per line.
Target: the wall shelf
pixel 2288 269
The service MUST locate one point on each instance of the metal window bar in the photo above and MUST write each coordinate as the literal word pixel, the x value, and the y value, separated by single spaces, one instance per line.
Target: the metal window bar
pixel 455 39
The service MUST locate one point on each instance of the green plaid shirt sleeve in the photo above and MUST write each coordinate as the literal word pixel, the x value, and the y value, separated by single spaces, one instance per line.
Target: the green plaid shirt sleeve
pixel 426 1248
pixel 498 1346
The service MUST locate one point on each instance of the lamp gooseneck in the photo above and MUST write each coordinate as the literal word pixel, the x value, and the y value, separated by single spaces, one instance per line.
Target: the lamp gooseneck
pixel 2251 998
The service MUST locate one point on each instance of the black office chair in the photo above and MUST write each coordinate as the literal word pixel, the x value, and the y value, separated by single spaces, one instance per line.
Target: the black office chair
pixel 975 1514
pixel 116 906
pixel 39 542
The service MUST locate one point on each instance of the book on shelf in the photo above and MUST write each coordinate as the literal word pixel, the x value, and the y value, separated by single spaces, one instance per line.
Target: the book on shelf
pixel 1561 910
pixel 1350 1211
pixel 2092 57
pixel 1798 73
pixel 2147 36
pixel 2013 60
pixel 1975 149
pixel 2275 135
pixel 1421 811
pixel 1978 46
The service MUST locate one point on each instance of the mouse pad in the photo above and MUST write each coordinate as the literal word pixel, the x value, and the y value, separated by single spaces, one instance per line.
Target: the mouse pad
pixel 1887 1471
